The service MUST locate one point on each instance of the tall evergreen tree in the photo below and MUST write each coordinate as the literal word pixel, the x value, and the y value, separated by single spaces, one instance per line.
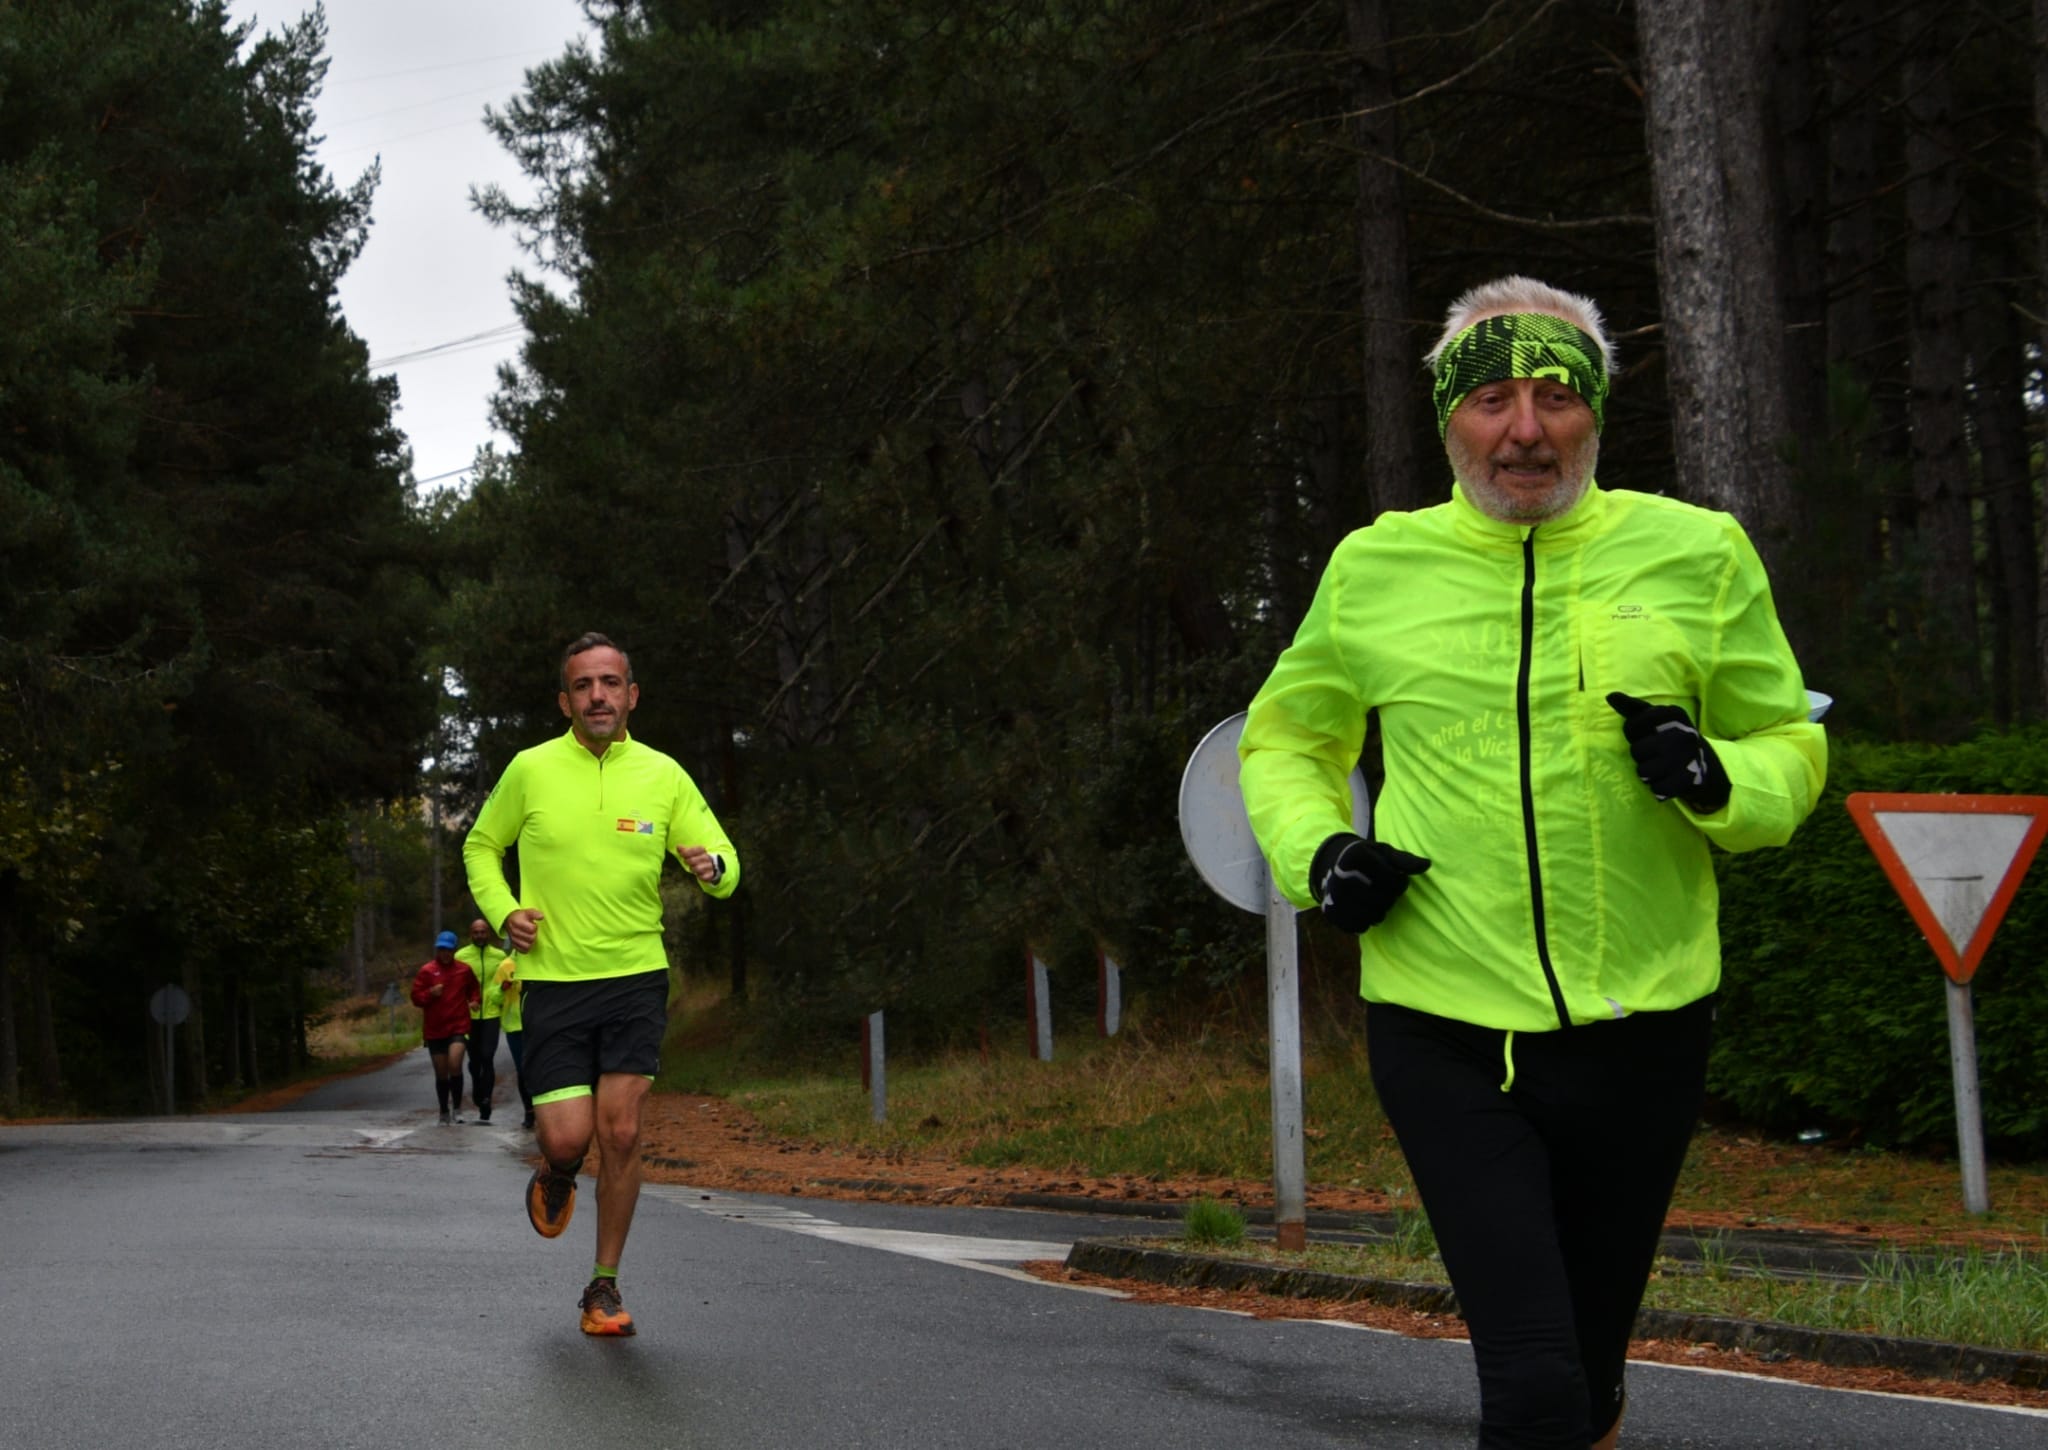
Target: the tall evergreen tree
pixel 211 570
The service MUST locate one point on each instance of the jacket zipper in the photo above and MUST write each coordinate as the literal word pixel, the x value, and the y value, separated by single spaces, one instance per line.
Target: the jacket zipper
pixel 1564 1018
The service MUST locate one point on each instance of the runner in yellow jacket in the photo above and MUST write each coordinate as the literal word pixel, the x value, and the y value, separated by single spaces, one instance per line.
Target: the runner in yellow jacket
pixel 1579 694
pixel 595 815
pixel 486 1014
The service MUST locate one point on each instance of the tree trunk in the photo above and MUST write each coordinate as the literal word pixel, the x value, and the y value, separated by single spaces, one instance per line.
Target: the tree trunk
pixel 1717 259
pixel 1937 525
pixel 1802 168
pixel 796 593
pixel 1392 479
pixel 359 918
pixel 10 1042
pixel 2040 661
pixel 232 1018
pixel 1999 378
pixel 255 1042
pixel 49 1069
pixel 736 913
pixel 1853 313
pixel 194 1088
pixel 728 805
pixel 301 1052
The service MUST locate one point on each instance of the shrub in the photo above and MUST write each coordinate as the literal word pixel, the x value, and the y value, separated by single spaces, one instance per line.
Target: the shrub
pixel 1211 1223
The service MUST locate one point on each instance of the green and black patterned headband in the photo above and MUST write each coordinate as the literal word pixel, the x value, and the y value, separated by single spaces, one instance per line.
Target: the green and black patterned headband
pixel 1520 345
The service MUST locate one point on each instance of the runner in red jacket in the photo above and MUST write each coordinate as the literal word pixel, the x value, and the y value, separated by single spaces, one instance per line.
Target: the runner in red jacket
pixel 444 989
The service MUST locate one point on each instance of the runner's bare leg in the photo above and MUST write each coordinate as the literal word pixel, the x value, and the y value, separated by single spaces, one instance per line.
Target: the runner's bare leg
pixel 620 1097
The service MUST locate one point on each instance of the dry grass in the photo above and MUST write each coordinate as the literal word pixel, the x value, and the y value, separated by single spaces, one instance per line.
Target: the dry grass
pixel 361 1026
pixel 1201 1110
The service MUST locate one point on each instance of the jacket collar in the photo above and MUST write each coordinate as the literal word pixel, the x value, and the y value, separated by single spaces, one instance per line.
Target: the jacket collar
pixel 1482 528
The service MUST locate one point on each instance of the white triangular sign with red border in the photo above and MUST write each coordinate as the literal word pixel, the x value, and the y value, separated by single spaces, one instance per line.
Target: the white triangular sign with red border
pixel 1955 860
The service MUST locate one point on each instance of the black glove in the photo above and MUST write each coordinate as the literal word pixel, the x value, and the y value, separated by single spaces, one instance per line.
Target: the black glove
pixel 1357 881
pixel 1672 757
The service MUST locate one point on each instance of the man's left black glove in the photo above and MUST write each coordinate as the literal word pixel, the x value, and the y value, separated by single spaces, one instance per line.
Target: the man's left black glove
pixel 1671 755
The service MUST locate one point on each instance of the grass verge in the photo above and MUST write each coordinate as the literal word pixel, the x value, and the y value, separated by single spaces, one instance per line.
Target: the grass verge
pixel 1199 1109
pixel 1994 1300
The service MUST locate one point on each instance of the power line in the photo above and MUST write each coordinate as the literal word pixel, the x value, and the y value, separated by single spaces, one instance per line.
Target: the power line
pixel 492 90
pixel 459 344
pixel 473 122
pixel 420 70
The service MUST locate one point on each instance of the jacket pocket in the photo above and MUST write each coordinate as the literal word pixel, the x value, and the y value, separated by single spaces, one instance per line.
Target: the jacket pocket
pixel 1633 648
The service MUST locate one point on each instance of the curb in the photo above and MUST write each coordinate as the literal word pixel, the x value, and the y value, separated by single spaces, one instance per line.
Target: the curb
pixel 1785 1251
pixel 1782 1252
pixel 1927 1359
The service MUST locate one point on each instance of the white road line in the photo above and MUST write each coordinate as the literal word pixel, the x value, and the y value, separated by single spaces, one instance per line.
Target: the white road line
pixel 961 1249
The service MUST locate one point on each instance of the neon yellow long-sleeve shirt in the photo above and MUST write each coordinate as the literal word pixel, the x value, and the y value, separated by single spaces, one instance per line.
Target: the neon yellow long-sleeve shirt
pixel 1561 890
pixel 592 832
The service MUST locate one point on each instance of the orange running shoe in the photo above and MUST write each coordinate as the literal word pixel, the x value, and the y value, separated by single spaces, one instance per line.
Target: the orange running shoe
pixel 602 1311
pixel 551 1198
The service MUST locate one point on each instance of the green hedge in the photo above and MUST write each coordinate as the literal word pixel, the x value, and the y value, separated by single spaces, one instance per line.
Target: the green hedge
pixel 1833 1012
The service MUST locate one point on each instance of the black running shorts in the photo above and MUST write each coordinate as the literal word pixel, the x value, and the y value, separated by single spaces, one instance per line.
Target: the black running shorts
pixel 438 1045
pixel 577 1031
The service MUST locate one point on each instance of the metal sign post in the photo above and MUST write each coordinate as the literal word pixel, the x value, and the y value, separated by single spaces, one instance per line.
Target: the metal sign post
pixel 1283 1017
pixel 170 1005
pixel 1956 861
pixel 1962 1055
pixel 1219 841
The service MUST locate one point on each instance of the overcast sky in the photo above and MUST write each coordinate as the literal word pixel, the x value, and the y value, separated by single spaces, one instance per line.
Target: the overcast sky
pixel 408 80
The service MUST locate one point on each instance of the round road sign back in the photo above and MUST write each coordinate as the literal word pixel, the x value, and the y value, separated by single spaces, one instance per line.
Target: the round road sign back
pixel 1213 825
pixel 170 1005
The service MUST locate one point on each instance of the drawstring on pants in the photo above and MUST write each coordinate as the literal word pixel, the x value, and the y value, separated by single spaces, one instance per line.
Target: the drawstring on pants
pixel 1507 1056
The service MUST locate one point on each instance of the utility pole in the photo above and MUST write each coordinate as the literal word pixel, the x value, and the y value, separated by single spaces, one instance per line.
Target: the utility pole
pixel 434 840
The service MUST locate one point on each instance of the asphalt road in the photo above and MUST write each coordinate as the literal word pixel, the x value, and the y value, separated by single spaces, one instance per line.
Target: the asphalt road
pixel 350 1273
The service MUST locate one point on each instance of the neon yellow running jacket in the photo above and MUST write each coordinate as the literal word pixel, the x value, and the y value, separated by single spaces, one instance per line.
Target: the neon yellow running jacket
pixel 485 961
pixel 592 832
pixel 1561 890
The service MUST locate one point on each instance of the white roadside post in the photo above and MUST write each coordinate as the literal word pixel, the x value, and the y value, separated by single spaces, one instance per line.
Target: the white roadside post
pixel 1109 994
pixel 1956 861
pixel 1219 841
pixel 1038 1002
pixel 875 1067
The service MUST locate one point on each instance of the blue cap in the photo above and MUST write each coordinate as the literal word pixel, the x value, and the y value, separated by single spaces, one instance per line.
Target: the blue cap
pixel 445 939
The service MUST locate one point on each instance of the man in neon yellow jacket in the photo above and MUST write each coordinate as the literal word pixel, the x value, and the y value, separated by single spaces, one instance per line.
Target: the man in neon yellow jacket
pixel 1579 693
pixel 486 1014
pixel 595 815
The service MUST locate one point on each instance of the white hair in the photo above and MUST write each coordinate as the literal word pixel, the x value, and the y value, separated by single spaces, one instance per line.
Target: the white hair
pixel 1523 294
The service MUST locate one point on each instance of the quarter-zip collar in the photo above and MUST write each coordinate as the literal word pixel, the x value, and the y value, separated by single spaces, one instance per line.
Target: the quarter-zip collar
pixel 622 742
pixel 598 763
pixel 1476 526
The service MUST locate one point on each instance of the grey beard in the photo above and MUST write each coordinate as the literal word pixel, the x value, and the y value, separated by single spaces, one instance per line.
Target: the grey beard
pixel 1563 497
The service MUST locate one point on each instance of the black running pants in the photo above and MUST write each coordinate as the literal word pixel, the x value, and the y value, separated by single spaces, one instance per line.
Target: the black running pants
pixel 483 1062
pixel 1545 1161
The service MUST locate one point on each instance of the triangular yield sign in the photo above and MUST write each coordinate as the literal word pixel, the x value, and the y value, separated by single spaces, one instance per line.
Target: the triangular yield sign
pixel 1955 860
